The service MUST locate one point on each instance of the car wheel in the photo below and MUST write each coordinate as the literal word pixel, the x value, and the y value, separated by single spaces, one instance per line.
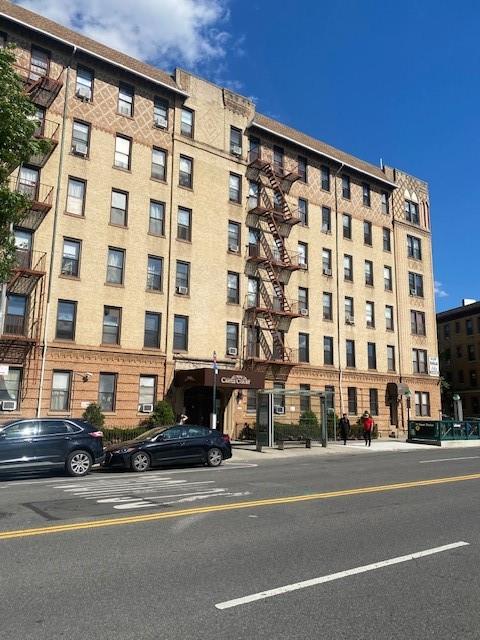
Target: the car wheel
pixel 214 457
pixel 140 461
pixel 78 463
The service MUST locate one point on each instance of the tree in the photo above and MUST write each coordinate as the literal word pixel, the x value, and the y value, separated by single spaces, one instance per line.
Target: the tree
pixel 17 145
pixel 93 414
pixel 162 415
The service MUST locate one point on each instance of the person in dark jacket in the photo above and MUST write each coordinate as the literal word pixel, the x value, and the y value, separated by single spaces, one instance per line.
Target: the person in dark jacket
pixel 344 425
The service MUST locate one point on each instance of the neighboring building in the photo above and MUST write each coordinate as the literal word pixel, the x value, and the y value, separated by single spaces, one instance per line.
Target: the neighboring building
pixel 459 351
pixel 172 220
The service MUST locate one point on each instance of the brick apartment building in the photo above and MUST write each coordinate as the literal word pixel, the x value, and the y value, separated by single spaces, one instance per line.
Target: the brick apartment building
pixel 171 220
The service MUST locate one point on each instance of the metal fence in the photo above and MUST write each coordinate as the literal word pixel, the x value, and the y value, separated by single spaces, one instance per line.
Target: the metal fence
pixel 438 430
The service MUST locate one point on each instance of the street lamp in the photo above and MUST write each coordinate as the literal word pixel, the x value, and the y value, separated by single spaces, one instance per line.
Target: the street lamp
pixel 214 409
pixel 408 395
pixel 457 407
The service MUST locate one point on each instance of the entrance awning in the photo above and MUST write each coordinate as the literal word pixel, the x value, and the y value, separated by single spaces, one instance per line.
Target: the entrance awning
pixel 226 378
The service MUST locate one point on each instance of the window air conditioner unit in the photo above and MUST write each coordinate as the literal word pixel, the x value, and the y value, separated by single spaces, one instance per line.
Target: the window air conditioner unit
pixel 79 149
pixel 304 312
pixel 125 110
pixel 236 150
pixel 145 408
pixel 9 405
pixel 278 409
pixel 325 228
pixel 302 264
pixel 84 93
pixel 234 248
pixel 349 319
pixel 182 291
pixel 413 292
pixel 232 351
pixel 327 272
pixel 160 122
pixel 370 324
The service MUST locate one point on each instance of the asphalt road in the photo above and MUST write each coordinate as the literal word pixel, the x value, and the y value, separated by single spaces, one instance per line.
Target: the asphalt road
pixel 177 553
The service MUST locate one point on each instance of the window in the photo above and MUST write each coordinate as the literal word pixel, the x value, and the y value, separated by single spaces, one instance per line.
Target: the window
pixel 366 194
pixel 182 277
pixel 123 150
pixel 303 299
pixel 252 294
pixel 71 257
pixel 373 398
pixel 370 314
pixel 186 172
pixel 279 398
pixel 348 268
pixel 414 247
pixel 186 122
pixel 125 100
pixel 39 63
pixel 156 218
pixel 304 399
pixel 352 400
pixel 278 158
pixel 184 224
pixel 369 272
pixel 422 403
pixel 235 188
pixel 111 325
pixel 469 327
pixel 303 168
pixel 107 386
pixel 10 385
pixel 180 333
pixel 459 351
pixel 473 379
pixel 151 334
pixel 154 273
pixel 147 389
pixel 367 232
pixel 254 148
pixel 159 164
pixel 160 113
pixel 115 264
pixel 347 226
pixel 76 196
pixel 389 318
pixel 303 347
pixel 461 376
pixel 417 322
pixel 349 310
pixel 387 245
pixel 346 193
pixel 303 211
pixel 251 400
pixel 350 350
pixel 457 327
pixel 302 254
pixel 387 278
pixel 3 40
pixel 15 318
pixel 233 287
pixel 232 338
pixel 419 360
pixel 385 204
pixel 80 138
pixel 325 177
pixel 84 86
pixel 372 355
pixel 234 231
pixel 411 212
pixel 391 357
pixel 446 331
pixel 415 284
pixel 327 350
pixel 119 208
pixel 235 141
pixel 326 220
pixel 471 352
pixel 61 385
pixel 66 317
pixel 327 306
pixel 326 262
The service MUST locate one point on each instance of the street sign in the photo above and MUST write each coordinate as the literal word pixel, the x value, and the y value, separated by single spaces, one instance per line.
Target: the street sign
pixel 433 366
pixel 4 369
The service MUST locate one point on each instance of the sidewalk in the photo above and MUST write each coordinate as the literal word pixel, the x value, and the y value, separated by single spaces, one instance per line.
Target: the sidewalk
pixel 248 453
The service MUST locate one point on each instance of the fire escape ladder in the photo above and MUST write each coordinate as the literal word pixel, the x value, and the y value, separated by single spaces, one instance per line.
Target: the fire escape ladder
pixel 279 240
pixel 279 196
pixel 267 352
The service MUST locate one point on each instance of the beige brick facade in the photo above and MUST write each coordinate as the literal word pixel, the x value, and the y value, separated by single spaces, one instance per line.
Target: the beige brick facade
pixel 207 252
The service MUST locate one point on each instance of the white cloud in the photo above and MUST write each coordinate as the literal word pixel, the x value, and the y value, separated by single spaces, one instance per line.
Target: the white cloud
pixel 439 290
pixel 165 32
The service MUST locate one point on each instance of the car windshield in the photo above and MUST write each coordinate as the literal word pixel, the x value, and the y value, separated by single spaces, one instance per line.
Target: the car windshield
pixel 150 434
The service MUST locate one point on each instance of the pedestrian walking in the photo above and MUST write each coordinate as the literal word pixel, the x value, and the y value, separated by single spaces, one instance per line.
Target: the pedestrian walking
pixel 367 422
pixel 344 425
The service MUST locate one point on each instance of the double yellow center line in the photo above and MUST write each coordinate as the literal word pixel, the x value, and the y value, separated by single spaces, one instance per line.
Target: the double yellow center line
pixel 231 506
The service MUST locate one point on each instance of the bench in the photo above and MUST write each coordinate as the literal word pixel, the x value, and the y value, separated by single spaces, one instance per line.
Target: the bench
pixel 307 442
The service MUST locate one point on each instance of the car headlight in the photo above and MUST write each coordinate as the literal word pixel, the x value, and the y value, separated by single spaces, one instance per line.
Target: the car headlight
pixel 125 450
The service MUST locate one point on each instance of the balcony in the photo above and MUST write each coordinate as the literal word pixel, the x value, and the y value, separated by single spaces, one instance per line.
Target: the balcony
pixel 17 339
pixel 48 131
pixel 28 270
pixel 40 86
pixel 41 201
pixel 276 306
pixel 276 356
pixel 263 206
pixel 282 260
pixel 285 176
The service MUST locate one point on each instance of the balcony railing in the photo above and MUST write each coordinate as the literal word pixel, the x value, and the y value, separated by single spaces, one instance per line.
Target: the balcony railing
pixel 29 268
pixel 47 130
pixel 276 306
pixel 40 197
pixel 15 325
pixel 28 260
pixel 39 84
pixel 287 260
pixel 278 355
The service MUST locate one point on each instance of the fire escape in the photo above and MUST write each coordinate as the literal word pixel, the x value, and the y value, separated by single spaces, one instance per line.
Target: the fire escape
pixel 268 310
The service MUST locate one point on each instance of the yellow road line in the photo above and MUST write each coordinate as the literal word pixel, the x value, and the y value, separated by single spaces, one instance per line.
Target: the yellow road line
pixel 248 504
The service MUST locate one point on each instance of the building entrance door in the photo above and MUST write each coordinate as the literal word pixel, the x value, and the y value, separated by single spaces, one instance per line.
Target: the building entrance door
pixel 198 403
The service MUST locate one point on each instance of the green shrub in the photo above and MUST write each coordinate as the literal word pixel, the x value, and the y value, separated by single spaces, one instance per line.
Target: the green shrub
pixel 308 419
pixel 93 414
pixel 162 415
pixel 116 435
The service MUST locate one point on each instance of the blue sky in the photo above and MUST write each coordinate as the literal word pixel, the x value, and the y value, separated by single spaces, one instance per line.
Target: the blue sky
pixel 379 79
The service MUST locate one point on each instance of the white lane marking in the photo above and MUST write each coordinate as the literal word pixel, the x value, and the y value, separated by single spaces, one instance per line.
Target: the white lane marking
pixel 100 494
pixel 336 576
pixel 449 459
pixel 192 499
pixel 171 495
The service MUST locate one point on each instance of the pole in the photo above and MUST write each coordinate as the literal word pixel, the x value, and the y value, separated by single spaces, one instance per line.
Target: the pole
pixel 214 409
